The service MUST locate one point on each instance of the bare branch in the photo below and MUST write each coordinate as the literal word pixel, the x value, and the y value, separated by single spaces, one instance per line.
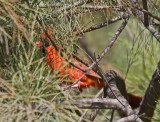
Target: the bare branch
pixel 147 12
pixel 130 118
pixel 98 103
pixel 154 32
pixel 99 7
pixel 95 27
pixel 153 93
pixel 140 15
pixel 145 6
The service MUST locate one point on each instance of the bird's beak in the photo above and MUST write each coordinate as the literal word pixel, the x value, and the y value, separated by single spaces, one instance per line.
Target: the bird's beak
pixel 75 86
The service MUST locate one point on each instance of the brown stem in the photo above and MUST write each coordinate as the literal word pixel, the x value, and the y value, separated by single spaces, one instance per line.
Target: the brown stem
pixel 145 6
pixel 95 27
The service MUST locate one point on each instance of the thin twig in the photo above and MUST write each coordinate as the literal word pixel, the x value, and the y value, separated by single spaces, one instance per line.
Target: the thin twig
pixel 95 27
pixel 1 39
pixel 94 114
pixel 131 118
pixel 6 43
pixel 112 114
pixel 102 7
pixel 147 12
pixel 78 3
pixel 53 5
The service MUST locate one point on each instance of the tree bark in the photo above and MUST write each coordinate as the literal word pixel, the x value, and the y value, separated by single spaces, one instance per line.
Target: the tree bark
pixel 119 92
pixel 152 94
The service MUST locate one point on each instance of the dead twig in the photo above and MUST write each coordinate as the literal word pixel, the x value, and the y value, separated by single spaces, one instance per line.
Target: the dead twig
pixel 95 27
pixel 102 7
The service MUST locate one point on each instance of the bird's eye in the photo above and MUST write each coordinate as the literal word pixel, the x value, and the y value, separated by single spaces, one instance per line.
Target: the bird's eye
pixel 46 43
pixel 43 50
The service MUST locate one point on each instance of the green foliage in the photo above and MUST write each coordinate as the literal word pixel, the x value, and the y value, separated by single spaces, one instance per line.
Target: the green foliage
pixel 29 89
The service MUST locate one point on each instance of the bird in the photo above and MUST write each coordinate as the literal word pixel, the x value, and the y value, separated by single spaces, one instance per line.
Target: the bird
pixel 56 62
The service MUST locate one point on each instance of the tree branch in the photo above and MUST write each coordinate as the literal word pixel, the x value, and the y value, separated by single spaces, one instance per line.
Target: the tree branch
pixel 113 79
pixel 97 95
pixel 112 103
pixel 145 6
pixel 94 114
pixel 140 15
pixel 95 27
pixel 99 103
pixel 151 96
pixel 147 13
pixel 154 32
pixel 130 118
pixel 100 7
